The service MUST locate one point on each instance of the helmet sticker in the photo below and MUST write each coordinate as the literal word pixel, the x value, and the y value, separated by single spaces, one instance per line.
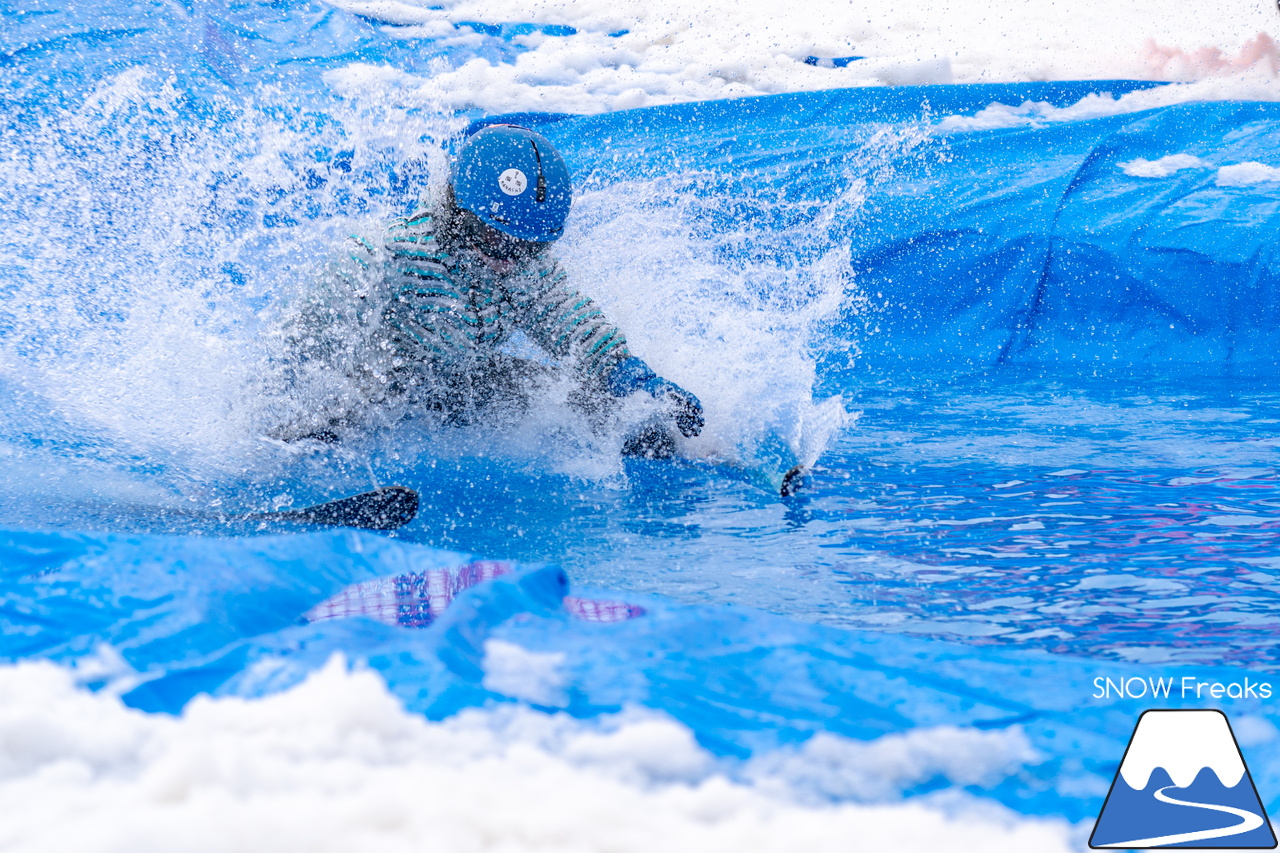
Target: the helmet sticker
pixel 513 182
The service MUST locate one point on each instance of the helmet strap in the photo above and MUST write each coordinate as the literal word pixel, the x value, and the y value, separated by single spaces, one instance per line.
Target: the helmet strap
pixel 541 195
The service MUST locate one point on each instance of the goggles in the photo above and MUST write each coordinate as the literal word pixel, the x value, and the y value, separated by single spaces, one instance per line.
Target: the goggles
pixel 476 234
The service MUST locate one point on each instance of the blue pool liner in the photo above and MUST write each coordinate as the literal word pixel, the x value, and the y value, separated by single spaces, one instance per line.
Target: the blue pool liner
pixel 193 615
pixel 1016 245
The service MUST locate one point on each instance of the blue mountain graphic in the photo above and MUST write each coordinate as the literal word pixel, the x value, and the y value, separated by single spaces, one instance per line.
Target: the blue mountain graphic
pixel 1131 814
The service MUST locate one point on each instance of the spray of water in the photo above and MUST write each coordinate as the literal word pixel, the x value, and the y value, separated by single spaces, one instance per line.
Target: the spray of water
pixel 158 241
pixel 732 313
pixel 148 233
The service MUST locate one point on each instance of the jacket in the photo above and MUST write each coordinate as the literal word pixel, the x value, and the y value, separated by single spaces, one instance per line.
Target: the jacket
pixel 442 310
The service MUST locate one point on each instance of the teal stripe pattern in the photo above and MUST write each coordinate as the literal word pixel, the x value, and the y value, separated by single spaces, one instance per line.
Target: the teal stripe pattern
pixel 440 312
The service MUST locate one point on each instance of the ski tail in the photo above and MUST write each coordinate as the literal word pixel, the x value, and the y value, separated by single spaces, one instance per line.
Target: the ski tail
pixel 388 508
pixel 775 463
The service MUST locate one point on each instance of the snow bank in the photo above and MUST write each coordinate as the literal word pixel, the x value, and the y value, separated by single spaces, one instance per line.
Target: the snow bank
pixel 336 764
pixel 594 56
pixel 1252 86
pixel 1247 174
pixel 1161 168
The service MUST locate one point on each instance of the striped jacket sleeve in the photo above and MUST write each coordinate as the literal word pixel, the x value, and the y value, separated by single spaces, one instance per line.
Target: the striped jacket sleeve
pixel 425 307
pixel 567 324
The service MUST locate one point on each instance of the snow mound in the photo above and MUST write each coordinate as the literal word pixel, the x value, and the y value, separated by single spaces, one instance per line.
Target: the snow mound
pixel 590 56
pixel 336 764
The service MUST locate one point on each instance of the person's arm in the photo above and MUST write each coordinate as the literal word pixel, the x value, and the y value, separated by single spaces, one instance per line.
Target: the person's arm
pixel 567 324
pixel 631 374
pixel 423 298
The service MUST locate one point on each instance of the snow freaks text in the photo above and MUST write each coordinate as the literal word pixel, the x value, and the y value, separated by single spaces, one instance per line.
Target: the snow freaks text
pixel 1183 687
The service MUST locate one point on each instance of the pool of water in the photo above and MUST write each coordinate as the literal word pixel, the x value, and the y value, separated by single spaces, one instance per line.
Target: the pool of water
pixel 1079 516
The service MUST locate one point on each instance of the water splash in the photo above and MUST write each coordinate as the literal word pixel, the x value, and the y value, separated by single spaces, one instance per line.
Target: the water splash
pixel 149 234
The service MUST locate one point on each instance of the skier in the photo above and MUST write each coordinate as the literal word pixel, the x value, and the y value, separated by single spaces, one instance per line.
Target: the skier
pixel 429 310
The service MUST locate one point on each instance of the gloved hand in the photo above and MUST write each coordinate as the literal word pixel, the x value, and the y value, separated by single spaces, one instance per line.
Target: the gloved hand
pixel 632 374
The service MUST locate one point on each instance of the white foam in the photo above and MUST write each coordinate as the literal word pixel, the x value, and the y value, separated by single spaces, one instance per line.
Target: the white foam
pixel 672 52
pixel 336 764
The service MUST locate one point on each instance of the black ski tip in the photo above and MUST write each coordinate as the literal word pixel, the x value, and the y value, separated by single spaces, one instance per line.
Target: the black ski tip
pixel 388 508
pixel 793 481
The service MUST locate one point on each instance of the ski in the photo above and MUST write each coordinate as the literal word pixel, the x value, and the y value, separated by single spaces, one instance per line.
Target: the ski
pixel 794 481
pixel 388 508
pixel 776 466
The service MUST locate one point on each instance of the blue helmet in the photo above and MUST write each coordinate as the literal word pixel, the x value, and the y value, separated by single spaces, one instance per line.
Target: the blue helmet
pixel 515 181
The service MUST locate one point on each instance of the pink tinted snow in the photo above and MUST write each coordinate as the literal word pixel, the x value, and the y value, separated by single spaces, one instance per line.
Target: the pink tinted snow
pixel 1258 52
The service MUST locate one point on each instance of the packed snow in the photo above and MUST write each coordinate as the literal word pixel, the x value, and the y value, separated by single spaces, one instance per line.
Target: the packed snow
pixel 336 764
pixel 598 55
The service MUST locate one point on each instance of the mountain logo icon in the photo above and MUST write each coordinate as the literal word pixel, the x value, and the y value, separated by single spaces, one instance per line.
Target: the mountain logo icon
pixel 1183 783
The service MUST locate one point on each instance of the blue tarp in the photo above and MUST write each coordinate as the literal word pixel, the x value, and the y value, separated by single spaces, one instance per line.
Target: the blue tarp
pixel 203 614
pixel 985 247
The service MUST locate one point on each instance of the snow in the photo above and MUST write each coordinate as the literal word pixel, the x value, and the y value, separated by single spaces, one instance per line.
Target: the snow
pixel 893 763
pixel 336 764
pixel 1245 87
pixel 521 674
pixel 1161 168
pixel 634 53
pixel 1246 174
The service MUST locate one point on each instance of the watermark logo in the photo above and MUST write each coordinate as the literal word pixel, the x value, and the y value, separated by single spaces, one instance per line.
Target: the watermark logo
pixel 1183 783
pixel 1185 687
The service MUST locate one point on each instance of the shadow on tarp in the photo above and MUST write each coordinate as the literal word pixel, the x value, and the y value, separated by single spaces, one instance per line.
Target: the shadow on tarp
pixel 193 615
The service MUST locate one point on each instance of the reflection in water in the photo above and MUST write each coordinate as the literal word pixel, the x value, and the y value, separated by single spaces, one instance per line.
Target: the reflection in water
pixel 1085 520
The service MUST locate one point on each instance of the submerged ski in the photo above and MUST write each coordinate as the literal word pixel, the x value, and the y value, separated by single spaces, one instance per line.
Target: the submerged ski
pixel 776 465
pixel 387 508
pixel 793 481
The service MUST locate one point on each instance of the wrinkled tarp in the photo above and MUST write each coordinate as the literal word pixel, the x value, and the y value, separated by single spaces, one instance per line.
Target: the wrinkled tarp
pixel 1023 244
pixel 224 616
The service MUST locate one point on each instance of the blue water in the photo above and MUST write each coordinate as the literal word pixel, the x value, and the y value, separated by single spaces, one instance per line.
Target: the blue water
pixel 1074 517
pixel 1056 462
